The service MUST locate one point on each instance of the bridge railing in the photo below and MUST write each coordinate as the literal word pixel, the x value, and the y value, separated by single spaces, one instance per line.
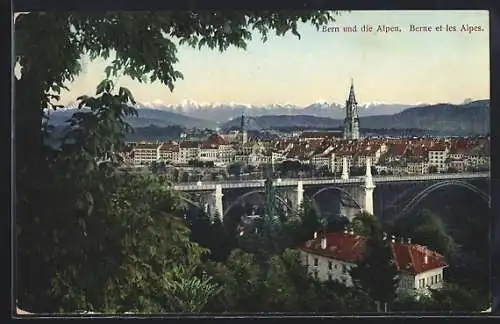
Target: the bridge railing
pixel 234 184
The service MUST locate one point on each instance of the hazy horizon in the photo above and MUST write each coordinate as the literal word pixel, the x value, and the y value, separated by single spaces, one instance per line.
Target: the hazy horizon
pixel 402 68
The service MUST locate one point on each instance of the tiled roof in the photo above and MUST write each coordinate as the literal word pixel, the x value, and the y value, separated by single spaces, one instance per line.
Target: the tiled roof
pixel 209 145
pixel 330 134
pixel 409 258
pixel 146 146
pixel 189 144
pixel 169 147
pixel 217 140
pixel 438 147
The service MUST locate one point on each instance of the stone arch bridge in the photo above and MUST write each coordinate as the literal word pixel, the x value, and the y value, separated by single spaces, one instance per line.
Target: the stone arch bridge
pixel 373 194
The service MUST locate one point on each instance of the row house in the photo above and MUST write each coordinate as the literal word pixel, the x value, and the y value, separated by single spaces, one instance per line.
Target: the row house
pixel 241 158
pixel 417 167
pixel 338 160
pixel 372 152
pixel 394 153
pixel 283 146
pixel 315 136
pixel 323 159
pixel 331 257
pixel 231 137
pixel 208 152
pixel 276 157
pixel 169 152
pixel 438 155
pixel 188 150
pixel 257 159
pixel 144 153
pixel 457 156
pixel 477 159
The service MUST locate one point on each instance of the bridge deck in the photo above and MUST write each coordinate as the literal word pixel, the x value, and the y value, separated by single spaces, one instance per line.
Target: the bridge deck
pixel 211 185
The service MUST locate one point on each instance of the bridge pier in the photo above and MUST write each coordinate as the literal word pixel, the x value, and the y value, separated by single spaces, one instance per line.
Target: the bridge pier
pixel 345 169
pixel 219 207
pixel 369 187
pixel 300 194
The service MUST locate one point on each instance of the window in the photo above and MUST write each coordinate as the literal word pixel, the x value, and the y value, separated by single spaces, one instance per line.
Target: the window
pixel 344 268
pixel 439 278
pixel 330 265
pixel 316 274
pixel 432 280
pixel 421 283
pixel 329 277
pixel 315 262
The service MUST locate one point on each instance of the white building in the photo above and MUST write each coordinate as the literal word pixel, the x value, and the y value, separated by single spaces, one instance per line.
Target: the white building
pixel 169 152
pixel 188 150
pixel 332 256
pixel 438 155
pixel 145 153
pixel 208 152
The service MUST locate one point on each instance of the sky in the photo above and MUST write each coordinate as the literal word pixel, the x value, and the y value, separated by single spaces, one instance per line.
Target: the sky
pixel 395 67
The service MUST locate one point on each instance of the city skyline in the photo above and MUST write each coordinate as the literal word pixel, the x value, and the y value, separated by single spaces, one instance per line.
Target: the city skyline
pixel 405 67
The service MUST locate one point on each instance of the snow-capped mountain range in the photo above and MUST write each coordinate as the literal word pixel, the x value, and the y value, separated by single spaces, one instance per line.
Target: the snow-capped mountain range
pixel 220 112
pixel 468 118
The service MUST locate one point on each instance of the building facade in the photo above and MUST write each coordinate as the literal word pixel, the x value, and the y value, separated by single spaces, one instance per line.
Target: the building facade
pixel 331 257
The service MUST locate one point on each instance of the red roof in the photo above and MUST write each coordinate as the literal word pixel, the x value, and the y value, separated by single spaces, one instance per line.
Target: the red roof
pixel 409 258
pixel 209 145
pixel 169 147
pixel 216 139
pixel 189 144
pixel 146 146
pixel 438 147
pixel 325 134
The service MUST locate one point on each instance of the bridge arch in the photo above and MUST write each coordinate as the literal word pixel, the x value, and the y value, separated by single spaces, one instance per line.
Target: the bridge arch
pixel 191 202
pixel 427 191
pixel 237 200
pixel 313 197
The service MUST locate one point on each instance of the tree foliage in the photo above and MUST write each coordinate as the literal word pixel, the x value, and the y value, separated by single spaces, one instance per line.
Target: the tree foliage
pixel 95 238
pixel 427 228
pixel 105 239
pixel 451 298
pixel 365 224
pixel 376 272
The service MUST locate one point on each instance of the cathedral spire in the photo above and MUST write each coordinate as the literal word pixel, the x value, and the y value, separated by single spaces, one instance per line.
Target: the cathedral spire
pixel 351 122
pixel 352 96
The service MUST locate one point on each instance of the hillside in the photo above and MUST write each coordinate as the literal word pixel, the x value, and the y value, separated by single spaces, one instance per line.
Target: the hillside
pixel 147 117
pixel 446 119
pixel 283 121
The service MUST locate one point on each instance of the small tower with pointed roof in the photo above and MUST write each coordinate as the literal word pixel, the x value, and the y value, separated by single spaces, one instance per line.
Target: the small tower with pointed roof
pixel 351 121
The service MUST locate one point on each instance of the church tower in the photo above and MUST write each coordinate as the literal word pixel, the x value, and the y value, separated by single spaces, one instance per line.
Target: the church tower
pixel 243 132
pixel 351 121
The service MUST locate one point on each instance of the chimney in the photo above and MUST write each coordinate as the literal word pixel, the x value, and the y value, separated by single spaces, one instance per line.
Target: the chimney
pixel 393 238
pixel 315 235
pixel 345 230
pixel 351 232
pixel 426 258
pixel 402 240
pixel 409 240
pixel 323 243
pixel 385 236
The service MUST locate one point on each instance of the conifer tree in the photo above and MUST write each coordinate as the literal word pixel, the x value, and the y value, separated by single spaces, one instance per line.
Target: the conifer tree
pixel 376 272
